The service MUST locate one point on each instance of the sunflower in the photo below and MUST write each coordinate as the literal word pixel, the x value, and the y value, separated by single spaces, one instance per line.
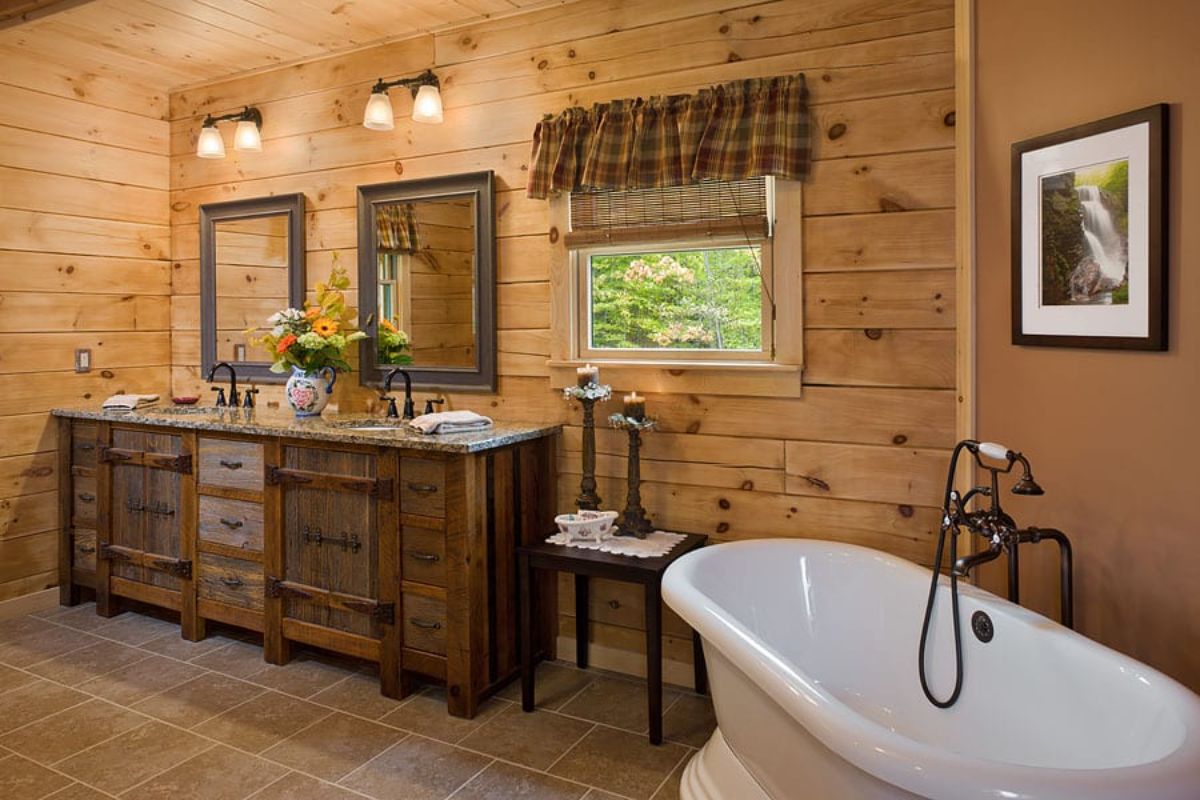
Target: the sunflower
pixel 325 326
pixel 387 326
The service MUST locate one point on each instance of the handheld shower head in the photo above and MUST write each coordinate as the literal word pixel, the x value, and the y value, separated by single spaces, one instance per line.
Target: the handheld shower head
pixel 1026 485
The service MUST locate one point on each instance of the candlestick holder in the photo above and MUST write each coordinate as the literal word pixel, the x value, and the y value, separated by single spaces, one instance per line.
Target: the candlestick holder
pixel 588 396
pixel 633 520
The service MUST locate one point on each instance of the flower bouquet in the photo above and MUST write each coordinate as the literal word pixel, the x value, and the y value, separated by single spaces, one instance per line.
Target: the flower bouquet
pixel 312 343
pixel 393 344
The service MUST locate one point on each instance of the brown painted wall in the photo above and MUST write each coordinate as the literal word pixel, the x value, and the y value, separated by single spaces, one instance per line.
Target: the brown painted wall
pixel 1113 436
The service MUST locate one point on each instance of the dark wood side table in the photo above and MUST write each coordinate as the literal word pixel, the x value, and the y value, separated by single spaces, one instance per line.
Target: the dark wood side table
pixel 585 564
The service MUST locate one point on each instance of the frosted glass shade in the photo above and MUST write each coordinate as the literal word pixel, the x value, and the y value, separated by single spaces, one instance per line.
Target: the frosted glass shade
pixel 378 114
pixel 427 105
pixel 210 144
pixel 247 137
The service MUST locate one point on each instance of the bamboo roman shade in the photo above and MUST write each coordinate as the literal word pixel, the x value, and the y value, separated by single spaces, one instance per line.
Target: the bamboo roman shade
pixel 730 132
pixel 704 208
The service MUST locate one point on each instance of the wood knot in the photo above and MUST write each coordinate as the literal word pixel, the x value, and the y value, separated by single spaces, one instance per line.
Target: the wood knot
pixel 733 58
pixel 723 503
pixel 906 511
pixel 949 119
pixel 874 334
pixel 899 438
pixel 888 205
pixel 724 29
pixel 826 77
pixel 816 482
pixel 591 74
pixel 693 427
pixel 106 373
pixel 836 131
pixel 571 53
pixel 722 527
pixel 70 268
pixel 398 166
pixel 747 486
pixel 614 604
pixel 543 64
pixel 553 235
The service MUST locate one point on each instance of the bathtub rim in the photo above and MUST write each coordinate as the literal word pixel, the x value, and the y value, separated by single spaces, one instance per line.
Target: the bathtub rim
pixel 891 756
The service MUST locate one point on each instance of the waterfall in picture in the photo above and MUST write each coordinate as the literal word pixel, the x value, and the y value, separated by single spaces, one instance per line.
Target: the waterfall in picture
pixel 1105 266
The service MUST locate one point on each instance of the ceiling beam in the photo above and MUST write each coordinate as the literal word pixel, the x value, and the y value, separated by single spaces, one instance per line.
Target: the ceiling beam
pixel 19 12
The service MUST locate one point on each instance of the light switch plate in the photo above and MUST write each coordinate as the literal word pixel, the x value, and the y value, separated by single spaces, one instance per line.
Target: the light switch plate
pixel 83 360
pixel 239 352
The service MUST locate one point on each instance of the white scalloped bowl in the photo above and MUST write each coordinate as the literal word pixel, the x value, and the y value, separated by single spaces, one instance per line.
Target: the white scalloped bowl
pixel 587 526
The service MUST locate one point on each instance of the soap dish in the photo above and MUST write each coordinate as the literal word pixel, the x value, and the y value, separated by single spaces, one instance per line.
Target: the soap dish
pixel 586 525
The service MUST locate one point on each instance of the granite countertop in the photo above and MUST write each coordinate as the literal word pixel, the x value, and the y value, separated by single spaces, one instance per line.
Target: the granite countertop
pixel 327 428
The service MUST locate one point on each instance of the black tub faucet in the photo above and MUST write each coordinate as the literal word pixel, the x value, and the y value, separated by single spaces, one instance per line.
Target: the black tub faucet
pixel 233 390
pixel 409 410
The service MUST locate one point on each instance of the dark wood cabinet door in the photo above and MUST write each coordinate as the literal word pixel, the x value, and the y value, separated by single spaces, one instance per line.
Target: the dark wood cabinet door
pixel 128 499
pixel 162 513
pixel 330 541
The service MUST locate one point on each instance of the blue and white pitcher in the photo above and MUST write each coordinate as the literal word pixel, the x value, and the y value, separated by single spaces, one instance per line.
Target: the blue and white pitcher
pixel 308 392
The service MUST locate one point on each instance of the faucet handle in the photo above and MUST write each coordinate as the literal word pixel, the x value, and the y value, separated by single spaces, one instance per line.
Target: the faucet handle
pixel 220 390
pixel 392 411
pixel 248 399
pixel 429 404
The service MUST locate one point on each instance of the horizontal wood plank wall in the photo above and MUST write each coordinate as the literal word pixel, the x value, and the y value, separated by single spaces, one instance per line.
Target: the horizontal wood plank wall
pixel 858 457
pixel 84 262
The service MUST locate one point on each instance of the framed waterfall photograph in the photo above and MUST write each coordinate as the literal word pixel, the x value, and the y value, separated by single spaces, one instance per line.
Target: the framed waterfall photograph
pixel 1089 238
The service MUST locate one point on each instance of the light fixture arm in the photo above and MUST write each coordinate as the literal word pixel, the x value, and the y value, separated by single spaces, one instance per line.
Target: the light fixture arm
pixel 426 78
pixel 247 114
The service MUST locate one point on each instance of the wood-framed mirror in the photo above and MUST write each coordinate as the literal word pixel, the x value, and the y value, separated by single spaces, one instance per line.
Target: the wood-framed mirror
pixel 427 249
pixel 251 265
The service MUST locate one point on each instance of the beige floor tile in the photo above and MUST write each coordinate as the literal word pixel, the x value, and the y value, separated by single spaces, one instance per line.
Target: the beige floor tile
pixel 359 694
pixel 175 646
pixel 199 699
pixel 425 713
pixel 621 762
pixel 132 757
pixel 38 645
pixel 600 794
pixel 535 740
pixel 66 733
pixel 239 659
pixel 88 662
pixel 617 702
pixel 136 629
pixel 18 627
pixel 502 780
pixel 34 701
pixel 139 680
pixel 83 617
pixel 77 791
pixel 334 747
pixel 553 685
pixel 221 773
pixel 262 722
pixel 670 788
pixel 416 769
pixel 301 787
pixel 22 779
pixel 12 678
pixel 690 720
pixel 304 676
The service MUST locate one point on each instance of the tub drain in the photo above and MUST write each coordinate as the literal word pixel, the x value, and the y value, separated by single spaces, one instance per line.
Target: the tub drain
pixel 981 625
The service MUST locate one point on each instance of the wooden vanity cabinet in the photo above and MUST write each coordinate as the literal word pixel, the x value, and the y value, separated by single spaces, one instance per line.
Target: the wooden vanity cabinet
pixel 78 449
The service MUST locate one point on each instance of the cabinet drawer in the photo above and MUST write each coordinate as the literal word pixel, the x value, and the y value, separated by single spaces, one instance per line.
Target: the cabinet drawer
pixel 425 624
pixel 84 446
pixel 232 464
pixel 422 487
pixel 231 581
pixel 423 556
pixel 236 523
pixel 83 500
pixel 83 544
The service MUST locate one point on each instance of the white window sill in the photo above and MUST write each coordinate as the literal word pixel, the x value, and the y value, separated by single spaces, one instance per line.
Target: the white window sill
pixel 742 378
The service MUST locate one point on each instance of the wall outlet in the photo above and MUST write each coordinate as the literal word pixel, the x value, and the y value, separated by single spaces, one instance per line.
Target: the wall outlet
pixel 83 360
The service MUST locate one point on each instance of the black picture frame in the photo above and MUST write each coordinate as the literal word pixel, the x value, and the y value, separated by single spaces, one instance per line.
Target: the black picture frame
pixel 1156 338
pixel 481 185
pixel 291 205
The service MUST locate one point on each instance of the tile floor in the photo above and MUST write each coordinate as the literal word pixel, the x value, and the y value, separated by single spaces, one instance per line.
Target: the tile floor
pixel 95 708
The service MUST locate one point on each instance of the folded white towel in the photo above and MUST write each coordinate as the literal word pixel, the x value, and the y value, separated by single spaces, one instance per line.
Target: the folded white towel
pixel 451 422
pixel 129 402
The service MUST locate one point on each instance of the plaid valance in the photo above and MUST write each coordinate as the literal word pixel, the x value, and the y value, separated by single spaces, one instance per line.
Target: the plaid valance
pixel 733 131
pixel 396 228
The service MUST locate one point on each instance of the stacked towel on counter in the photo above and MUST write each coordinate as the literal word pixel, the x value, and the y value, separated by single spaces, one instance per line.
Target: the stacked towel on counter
pixel 129 402
pixel 451 422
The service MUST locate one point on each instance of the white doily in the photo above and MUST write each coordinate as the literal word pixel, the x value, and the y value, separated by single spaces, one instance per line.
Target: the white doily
pixel 654 545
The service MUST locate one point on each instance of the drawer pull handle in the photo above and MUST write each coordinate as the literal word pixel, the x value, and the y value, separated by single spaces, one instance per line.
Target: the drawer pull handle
pixel 85 446
pixel 429 626
pixel 430 557
pixel 232 524
pixel 87 497
pixel 423 488
pixel 233 583
pixel 227 464
pixel 86 548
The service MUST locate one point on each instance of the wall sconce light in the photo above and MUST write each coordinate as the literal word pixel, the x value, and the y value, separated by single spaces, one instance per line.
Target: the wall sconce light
pixel 246 137
pixel 427 101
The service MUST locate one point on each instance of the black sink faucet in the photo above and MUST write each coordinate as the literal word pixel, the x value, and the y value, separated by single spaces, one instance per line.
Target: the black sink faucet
pixel 409 410
pixel 233 390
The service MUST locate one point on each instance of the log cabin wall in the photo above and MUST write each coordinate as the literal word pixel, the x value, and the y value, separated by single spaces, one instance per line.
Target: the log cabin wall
pixel 859 457
pixel 84 262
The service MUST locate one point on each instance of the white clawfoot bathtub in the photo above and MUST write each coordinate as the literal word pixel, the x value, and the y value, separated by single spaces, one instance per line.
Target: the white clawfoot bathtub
pixel 812 653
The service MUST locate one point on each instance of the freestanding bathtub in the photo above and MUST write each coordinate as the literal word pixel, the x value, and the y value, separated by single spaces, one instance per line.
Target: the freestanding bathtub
pixel 812 653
